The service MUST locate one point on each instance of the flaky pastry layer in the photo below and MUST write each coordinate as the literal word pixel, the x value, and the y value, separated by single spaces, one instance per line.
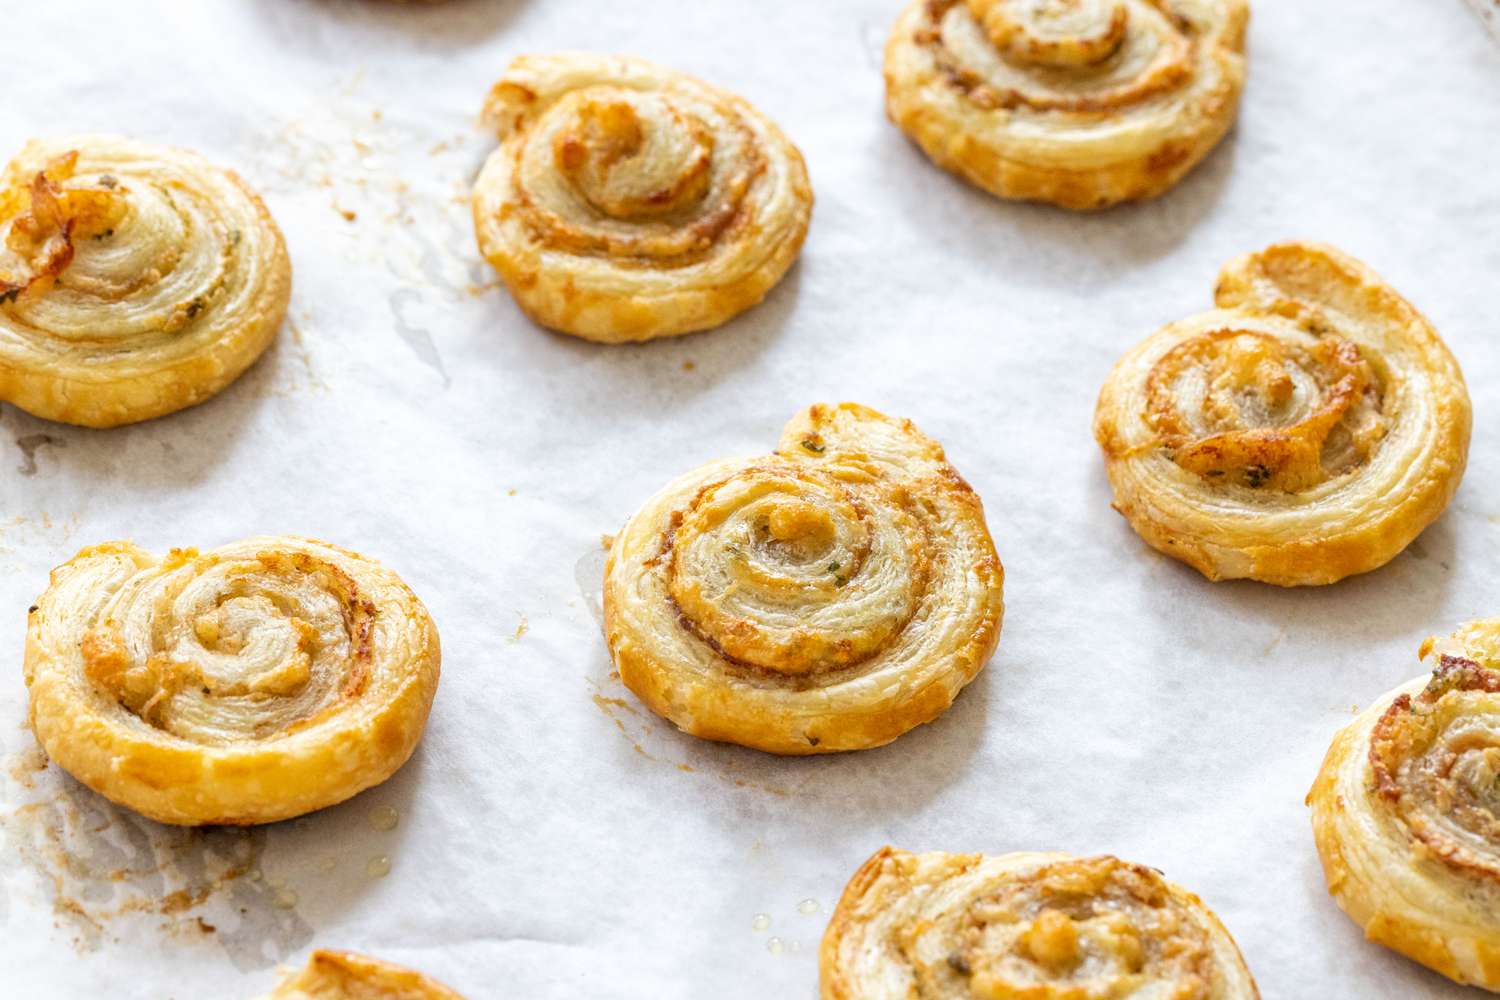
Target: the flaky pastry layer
pixel 345 975
pixel 1307 429
pixel 1043 926
pixel 1406 812
pixel 1081 103
pixel 628 201
pixel 246 684
pixel 135 279
pixel 830 596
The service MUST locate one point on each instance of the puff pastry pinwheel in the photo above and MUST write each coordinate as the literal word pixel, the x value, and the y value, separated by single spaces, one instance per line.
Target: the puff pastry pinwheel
pixel 1042 926
pixel 1406 812
pixel 830 596
pixel 344 975
pixel 1307 429
pixel 135 280
pixel 628 201
pixel 1081 103
pixel 249 683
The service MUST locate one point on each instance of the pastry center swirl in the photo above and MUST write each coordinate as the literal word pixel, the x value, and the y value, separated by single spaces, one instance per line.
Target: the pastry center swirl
pixel 1055 33
pixel 1436 757
pixel 1083 929
pixel 1256 410
pixel 796 572
pixel 1062 55
pixel 636 164
pixel 657 176
pixel 224 651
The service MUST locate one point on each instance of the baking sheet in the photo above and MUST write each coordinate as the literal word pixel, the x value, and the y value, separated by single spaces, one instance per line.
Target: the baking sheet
pixel 553 840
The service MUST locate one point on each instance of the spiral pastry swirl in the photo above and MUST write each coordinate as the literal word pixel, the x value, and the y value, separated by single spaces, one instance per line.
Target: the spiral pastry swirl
pixel 628 201
pixel 345 975
pixel 1081 103
pixel 828 597
pixel 1307 429
pixel 250 683
pixel 135 280
pixel 1406 812
pixel 1042 926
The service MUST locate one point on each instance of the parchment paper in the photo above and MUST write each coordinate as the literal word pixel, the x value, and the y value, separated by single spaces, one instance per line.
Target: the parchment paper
pixel 1489 13
pixel 554 840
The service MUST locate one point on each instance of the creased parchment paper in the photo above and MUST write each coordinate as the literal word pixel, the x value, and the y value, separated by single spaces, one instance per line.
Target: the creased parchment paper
pixel 553 840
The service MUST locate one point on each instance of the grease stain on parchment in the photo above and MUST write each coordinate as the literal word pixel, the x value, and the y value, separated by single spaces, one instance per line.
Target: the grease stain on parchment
pixel 418 338
pixel 344 150
pixel 107 872
pixel 384 818
pixel 872 40
pixel 30 444
pixel 588 573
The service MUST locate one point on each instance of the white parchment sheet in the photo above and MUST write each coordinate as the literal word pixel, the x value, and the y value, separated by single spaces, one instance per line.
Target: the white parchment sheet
pixel 553 840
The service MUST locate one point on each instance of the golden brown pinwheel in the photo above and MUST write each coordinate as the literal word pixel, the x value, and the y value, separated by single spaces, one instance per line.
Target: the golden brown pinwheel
pixel 1406 812
pixel 345 975
pixel 628 201
pixel 1082 103
pixel 1039 926
pixel 250 683
pixel 135 280
pixel 1307 429
pixel 830 596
